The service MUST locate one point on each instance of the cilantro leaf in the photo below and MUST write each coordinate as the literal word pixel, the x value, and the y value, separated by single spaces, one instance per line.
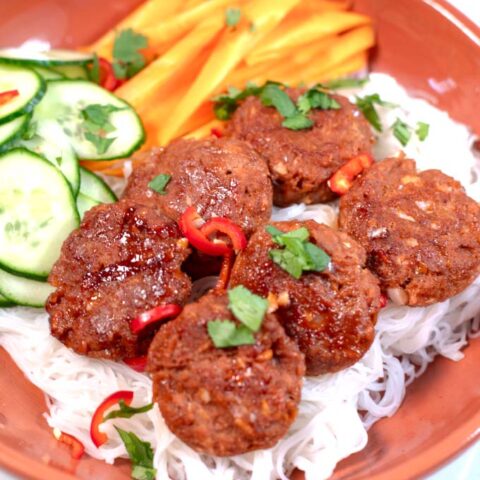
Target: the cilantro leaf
pixel 141 455
pixel 299 255
pixel 272 96
pixel 102 144
pixel 367 106
pixel 402 131
pixel 159 183
pixel 232 16
pixel 339 83
pixel 297 122
pixel 225 333
pixel 247 307
pixel 127 58
pixel 422 130
pixel 226 103
pixel 126 411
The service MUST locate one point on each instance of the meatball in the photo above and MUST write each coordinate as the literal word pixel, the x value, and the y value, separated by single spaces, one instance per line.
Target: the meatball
pixel 225 401
pixel 220 177
pixel 301 161
pixel 123 260
pixel 420 230
pixel 330 314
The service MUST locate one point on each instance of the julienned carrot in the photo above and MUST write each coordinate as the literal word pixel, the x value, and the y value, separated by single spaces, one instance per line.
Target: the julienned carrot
pixel 232 47
pixel 146 14
pixel 142 88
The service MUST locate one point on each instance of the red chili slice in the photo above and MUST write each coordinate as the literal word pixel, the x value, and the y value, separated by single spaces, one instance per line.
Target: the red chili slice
pixel 216 132
pixel 76 446
pixel 154 315
pixel 383 300
pixel 8 95
pixel 98 437
pixel 137 363
pixel 107 78
pixel 187 224
pixel 342 180
pixel 227 227
pixel 224 276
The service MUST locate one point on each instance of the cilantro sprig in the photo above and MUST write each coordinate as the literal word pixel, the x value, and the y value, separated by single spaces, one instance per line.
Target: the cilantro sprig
pixel 232 16
pixel 141 455
pixel 249 309
pixel 96 125
pixel 159 183
pixel 298 255
pixel 125 411
pixel 340 83
pixel 367 106
pixel 272 94
pixel 403 132
pixel 127 59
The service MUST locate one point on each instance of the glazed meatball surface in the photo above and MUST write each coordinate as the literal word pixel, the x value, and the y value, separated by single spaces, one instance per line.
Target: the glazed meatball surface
pixel 331 314
pixel 301 161
pixel 420 230
pixel 225 401
pixel 124 259
pixel 220 177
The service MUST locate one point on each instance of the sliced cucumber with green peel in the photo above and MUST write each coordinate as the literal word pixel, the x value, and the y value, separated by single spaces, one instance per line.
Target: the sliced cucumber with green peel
pixel 66 99
pixel 22 56
pixel 12 131
pixel 93 186
pixel 24 291
pixel 84 204
pixel 29 85
pixel 37 213
pixel 71 71
pixel 50 141
pixel 47 73
pixel 5 302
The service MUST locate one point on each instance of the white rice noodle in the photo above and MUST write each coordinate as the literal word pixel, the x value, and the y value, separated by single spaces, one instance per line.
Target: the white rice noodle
pixel 329 426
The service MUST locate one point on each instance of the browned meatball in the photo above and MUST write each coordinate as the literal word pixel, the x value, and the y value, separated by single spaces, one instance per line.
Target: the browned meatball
pixel 330 314
pixel 420 230
pixel 225 401
pixel 221 177
pixel 302 161
pixel 123 260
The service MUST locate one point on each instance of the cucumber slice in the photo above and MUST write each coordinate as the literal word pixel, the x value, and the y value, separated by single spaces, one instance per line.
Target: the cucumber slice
pixel 65 100
pixel 37 212
pixel 21 56
pixel 31 88
pixel 84 204
pixel 12 131
pixel 93 186
pixel 71 71
pixel 24 291
pixel 51 142
pixel 47 73
pixel 4 302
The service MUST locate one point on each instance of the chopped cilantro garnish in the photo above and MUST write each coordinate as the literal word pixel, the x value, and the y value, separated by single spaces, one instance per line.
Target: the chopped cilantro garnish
pixel 299 255
pixel 272 94
pixel 126 53
pixel 232 16
pixel 97 124
pixel 159 183
pixel 126 411
pixel 367 107
pixel 339 83
pixel 422 130
pixel 225 333
pixel 402 131
pixel 247 307
pixel 141 455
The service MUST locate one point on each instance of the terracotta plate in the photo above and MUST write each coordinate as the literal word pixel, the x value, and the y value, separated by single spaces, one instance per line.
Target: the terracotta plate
pixel 430 48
